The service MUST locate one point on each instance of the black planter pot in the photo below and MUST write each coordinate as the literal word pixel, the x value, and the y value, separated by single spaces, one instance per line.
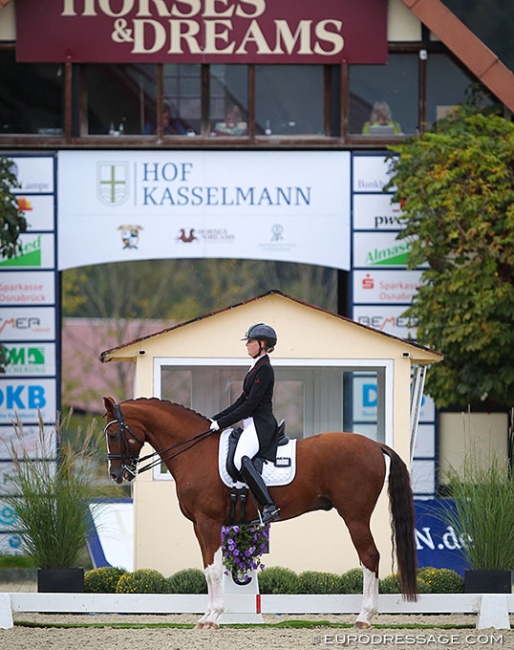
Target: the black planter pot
pixel 60 580
pixel 487 581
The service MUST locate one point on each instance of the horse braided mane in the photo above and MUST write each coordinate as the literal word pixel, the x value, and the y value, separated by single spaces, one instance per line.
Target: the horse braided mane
pixel 169 404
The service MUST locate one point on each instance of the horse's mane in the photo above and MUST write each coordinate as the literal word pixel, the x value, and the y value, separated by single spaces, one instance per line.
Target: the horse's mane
pixel 168 404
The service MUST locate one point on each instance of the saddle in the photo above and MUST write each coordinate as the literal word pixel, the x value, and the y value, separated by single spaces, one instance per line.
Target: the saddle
pixel 280 472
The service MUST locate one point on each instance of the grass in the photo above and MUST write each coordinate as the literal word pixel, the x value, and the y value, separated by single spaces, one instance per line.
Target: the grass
pixel 290 624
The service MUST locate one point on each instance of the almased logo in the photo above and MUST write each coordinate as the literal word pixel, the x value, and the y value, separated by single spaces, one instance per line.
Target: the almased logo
pixel 30 255
pixel 396 255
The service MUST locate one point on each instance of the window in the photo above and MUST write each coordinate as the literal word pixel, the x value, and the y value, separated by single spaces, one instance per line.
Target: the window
pixel 228 103
pixel 289 99
pixel 183 95
pixel 31 100
pixel 394 86
pixel 120 99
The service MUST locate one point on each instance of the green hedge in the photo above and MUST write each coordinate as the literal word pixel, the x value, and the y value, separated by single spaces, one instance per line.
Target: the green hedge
pixel 272 580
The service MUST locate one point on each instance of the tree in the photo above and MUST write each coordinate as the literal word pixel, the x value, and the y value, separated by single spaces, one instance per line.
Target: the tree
pixel 456 188
pixel 12 224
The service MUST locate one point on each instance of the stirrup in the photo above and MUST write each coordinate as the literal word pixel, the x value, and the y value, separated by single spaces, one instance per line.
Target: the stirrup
pixel 269 513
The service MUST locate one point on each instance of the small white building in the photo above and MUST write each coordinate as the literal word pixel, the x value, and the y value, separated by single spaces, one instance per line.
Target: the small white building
pixel 321 361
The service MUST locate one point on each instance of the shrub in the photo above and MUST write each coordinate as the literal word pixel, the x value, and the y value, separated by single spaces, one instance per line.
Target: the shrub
pixel 278 580
pixel 391 585
pixel 143 581
pixel 188 581
pixel 442 581
pixel 102 580
pixel 319 582
pixel 351 582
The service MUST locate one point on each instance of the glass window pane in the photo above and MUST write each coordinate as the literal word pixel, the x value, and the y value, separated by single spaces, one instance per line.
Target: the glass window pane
pixel 31 100
pixel 177 385
pixel 447 84
pixel 385 95
pixel 288 404
pixel 183 98
pixel 228 108
pixel 289 99
pixel 121 98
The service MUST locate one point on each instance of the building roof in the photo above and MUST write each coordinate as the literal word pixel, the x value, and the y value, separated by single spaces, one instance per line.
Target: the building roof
pixel 467 47
pixel 130 350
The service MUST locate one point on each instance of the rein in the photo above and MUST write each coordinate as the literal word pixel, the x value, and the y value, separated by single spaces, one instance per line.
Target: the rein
pixel 130 461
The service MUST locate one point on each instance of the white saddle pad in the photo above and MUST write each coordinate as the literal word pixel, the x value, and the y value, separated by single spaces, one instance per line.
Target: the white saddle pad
pixel 275 474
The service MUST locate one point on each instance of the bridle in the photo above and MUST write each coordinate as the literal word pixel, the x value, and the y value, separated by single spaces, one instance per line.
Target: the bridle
pixel 129 461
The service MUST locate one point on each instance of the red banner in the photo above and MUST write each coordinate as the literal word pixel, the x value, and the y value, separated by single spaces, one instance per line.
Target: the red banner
pixel 202 31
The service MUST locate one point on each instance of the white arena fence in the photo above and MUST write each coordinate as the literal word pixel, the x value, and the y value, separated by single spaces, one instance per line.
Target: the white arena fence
pixel 492 610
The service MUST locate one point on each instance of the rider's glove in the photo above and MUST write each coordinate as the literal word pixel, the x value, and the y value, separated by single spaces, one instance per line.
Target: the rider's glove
pixel 214 426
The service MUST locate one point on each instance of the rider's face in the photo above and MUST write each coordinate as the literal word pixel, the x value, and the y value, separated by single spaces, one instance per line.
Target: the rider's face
pixel 252 347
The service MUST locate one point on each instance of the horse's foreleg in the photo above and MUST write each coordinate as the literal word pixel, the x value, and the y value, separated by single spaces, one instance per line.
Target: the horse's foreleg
pixel 213 576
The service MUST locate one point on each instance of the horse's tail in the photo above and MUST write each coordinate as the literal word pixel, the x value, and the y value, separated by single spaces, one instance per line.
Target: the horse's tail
pixel 403 523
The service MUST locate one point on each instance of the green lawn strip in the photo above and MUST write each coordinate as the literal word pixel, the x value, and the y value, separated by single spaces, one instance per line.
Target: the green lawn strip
pixel 292 624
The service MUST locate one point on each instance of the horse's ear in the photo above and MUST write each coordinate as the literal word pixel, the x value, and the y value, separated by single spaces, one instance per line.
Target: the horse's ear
pixel 109 403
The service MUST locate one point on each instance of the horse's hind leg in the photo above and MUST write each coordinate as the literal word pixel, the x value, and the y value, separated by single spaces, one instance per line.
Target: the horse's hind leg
pixel 369 558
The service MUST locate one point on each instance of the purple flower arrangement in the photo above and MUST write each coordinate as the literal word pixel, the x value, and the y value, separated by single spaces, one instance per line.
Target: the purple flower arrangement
pixel 242 547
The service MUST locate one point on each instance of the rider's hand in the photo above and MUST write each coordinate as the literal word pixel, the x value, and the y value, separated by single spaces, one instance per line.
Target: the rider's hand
pixel 214 426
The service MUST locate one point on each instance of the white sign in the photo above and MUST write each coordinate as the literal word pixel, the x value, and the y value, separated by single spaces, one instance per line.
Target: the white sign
pixel 35 174
pixel 376 212
pixel 370 173
pixel 388 319
pixel 26 399
pixel 30 359
pixel 37 252
pixel 30 288
pixel 134 205
pixel 27 324
pixel 29 442
pixel 38 210
pixel 380 250
pixel 385 286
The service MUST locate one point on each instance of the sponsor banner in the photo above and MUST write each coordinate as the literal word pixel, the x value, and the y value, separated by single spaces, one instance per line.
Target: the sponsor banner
pixel 365 396
pixel 379 250
pixel 370 173
pixel 423 476
pixel 436 542
pixel 27 324
pixel 34 173
pixel 425 441
pixel 202 31
pixel 8 471
pixel 28 441
pixel 376 212
pixel 26 399
pixel 11 544
pixel 30 359
pixel 388 319
pixel 37 251
pixel 39 210
pixel 7 516
pixel 28 288
pixel 134 205
pixel 385 287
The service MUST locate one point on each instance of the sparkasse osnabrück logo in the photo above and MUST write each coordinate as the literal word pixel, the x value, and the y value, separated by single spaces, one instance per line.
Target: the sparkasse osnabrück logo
pixel 112 182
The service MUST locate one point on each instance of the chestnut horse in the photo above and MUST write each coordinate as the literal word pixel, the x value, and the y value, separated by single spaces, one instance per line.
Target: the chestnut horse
pixel 345 471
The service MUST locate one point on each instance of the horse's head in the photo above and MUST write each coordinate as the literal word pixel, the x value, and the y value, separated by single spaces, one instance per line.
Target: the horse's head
pixel 123 443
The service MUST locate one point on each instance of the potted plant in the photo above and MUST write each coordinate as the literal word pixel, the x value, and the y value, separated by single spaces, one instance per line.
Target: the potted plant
pixel 50 496
pixel 482 514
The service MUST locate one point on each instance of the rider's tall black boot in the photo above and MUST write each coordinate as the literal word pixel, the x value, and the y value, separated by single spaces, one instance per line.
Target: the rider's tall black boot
pixel 255 482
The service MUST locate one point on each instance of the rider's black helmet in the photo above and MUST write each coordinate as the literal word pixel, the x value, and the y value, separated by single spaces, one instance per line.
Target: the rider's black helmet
pixel 262 332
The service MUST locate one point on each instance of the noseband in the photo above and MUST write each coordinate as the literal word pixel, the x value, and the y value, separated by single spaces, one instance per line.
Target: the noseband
pixel 129 462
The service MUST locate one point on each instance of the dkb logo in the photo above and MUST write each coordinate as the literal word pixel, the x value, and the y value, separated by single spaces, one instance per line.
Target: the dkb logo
pixel 23 397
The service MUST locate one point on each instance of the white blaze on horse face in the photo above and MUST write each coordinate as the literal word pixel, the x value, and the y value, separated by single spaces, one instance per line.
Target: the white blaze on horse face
pixel 369 596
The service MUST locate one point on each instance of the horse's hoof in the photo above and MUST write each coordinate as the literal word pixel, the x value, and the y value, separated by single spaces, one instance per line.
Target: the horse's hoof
pixel 199 626
pixel 362 625
pixel 210 626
